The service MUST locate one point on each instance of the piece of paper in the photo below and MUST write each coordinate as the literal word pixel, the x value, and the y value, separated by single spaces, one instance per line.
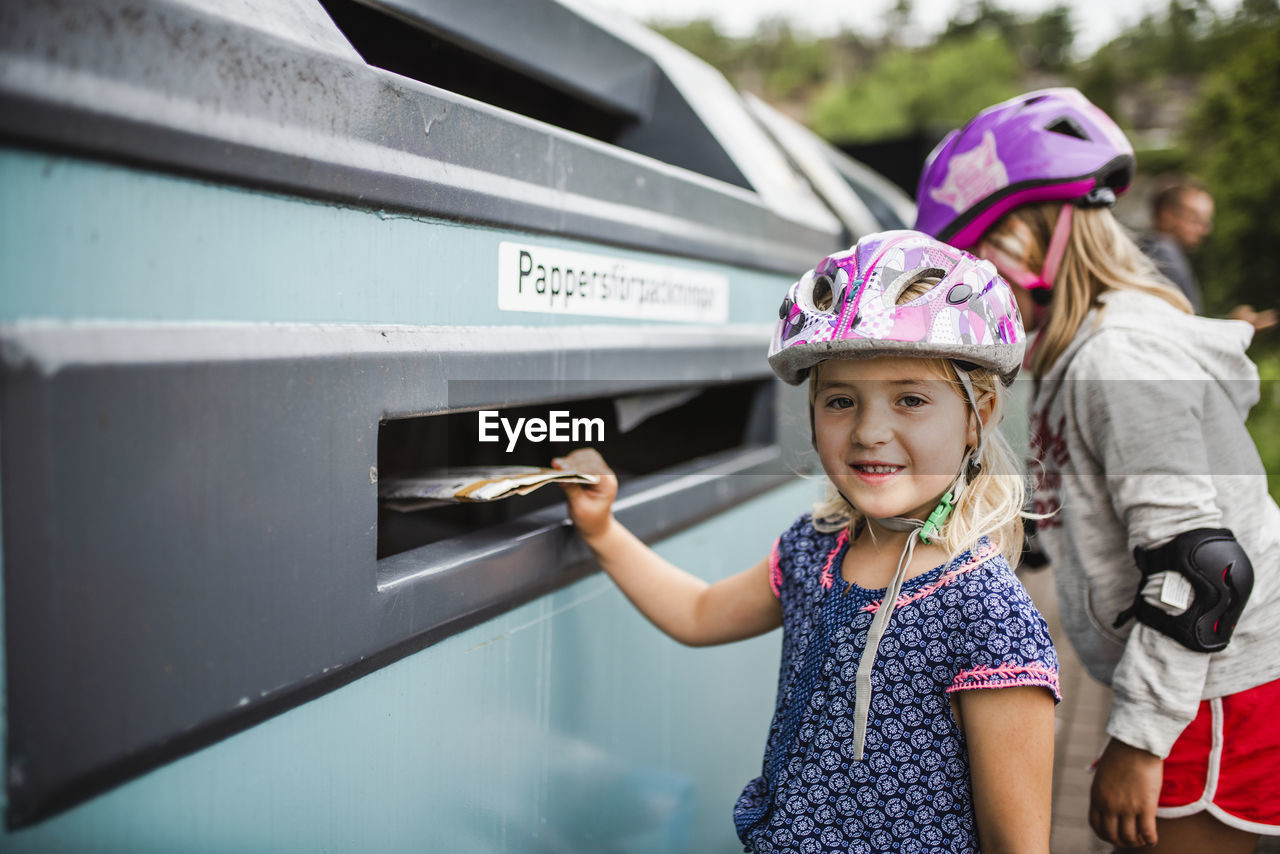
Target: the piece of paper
pixel 465 484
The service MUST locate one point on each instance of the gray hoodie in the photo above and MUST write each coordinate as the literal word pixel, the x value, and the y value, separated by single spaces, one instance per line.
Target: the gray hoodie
pixel 1138 435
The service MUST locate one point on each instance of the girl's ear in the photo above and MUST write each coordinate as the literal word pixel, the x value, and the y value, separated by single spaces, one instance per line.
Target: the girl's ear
pixel 986 406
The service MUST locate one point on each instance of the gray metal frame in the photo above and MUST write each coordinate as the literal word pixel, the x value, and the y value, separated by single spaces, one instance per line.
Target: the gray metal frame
pixel 600 69
pixel 190 518
pixel 281 101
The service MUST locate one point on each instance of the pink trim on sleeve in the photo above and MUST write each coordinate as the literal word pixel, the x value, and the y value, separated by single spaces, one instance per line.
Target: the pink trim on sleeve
pixel 1007 676
pixel 976 560
pixel 828 571
pixel 775 570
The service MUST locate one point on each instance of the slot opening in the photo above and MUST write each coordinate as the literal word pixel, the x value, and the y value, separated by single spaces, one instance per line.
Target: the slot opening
pixel 686 424
pixel 395 45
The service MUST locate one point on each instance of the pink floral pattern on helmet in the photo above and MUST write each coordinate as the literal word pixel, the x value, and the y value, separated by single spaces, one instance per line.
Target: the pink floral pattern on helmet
pixel 847 307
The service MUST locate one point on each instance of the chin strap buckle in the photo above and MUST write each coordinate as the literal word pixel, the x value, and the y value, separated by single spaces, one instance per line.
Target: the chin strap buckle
pixel 937 518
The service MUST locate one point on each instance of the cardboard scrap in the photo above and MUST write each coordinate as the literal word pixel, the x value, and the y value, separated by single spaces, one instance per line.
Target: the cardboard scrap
pixel 464 484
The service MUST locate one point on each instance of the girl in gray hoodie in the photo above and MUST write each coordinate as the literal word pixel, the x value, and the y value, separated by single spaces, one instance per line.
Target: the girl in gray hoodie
pixel 1152 500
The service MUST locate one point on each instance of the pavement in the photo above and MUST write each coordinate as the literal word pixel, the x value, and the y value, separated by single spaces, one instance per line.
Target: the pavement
pixel 1079 734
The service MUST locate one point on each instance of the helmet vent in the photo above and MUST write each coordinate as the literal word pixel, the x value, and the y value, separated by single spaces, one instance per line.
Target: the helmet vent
pixel 913 284
pixel 823 298
pixel 1067 126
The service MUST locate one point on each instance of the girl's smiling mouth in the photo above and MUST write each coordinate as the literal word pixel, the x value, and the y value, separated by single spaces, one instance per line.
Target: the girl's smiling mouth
pixel 874 472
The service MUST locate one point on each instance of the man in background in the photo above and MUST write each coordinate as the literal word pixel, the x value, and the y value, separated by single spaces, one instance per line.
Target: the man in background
pixel 1181 218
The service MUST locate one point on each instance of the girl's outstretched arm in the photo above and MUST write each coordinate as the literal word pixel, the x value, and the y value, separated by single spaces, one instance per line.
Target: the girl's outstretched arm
pixel 1010 735
pixel 682 605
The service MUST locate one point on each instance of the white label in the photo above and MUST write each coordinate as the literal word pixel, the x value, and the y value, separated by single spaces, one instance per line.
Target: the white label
pixel 558 281
pixel 1176 591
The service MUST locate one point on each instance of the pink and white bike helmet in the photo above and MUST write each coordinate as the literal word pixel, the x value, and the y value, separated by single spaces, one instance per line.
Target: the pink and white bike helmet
pixel 847 307
pixel 1048 145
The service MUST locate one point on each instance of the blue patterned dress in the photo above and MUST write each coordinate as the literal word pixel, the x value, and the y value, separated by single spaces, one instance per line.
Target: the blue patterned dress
pixel 967 624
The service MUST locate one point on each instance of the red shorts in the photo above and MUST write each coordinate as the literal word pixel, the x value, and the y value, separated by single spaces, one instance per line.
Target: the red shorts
pixel 1227 761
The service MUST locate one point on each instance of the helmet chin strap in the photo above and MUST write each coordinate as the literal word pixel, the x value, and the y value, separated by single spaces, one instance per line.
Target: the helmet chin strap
pixel 1057 246
pixel 1041 286
pixel 918 531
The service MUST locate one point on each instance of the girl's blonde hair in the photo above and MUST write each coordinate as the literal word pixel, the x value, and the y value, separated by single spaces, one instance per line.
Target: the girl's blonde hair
pixel 1100 256
pixel 990 504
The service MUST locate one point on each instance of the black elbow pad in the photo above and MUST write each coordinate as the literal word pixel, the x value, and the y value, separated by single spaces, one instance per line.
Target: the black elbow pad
pixel 1221 577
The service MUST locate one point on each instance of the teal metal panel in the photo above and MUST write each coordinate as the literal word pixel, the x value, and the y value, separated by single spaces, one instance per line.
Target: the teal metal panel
pixel 96 243
pixel 86 240
pixel 567 725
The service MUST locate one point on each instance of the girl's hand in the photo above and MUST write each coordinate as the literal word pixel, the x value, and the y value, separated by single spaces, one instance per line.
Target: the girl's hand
pixel 1122 801
pixel 590 506
pixel 684 606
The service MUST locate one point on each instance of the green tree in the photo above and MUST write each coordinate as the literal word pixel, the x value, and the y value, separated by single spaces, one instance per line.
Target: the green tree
pixel 1048 39
pixel 1043 42
pixel 789 65
pixel 898 21
pixel 912 90
pixel 982 16
pixel 1233 131
pixel 1259 11
pixel 1186 40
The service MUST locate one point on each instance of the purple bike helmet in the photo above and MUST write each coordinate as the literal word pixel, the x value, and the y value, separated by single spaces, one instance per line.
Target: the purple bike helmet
pixel 1048 145
pixel 847 307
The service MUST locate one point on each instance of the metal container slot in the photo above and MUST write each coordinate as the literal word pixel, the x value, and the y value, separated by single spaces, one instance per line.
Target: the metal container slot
pixel 220 481
pixel 705 421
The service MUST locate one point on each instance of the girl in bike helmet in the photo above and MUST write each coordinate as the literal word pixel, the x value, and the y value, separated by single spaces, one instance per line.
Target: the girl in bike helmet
pixel 913 661
pixel 1167 561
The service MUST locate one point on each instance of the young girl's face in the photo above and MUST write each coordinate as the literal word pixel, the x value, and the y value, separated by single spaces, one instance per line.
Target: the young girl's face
pixel 891 433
